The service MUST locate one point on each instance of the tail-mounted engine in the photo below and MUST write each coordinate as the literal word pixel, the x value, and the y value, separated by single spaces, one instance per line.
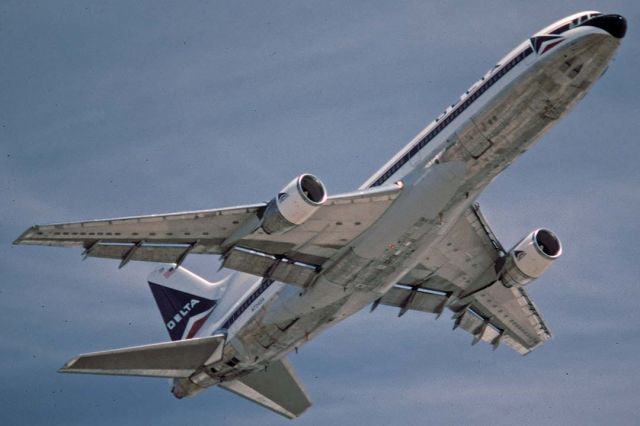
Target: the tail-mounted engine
pixel 530 258
pixel 294 204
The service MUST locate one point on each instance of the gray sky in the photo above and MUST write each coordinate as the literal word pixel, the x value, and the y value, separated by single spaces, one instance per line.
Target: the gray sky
pixel 124 108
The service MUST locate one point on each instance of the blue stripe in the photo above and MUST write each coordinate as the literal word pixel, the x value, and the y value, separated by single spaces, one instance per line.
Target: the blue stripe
pixel 498 74
pixel 266 283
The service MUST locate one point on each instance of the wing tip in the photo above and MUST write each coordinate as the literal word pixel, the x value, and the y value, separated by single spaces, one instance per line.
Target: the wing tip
pixel 68 366
pixel 23 237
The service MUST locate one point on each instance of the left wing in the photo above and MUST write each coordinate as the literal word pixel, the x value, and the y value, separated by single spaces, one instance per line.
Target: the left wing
pixel 169 238
pixel 461 275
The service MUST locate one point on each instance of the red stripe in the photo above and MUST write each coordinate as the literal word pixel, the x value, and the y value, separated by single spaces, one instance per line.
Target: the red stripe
pixel 551 46
pixel 197 325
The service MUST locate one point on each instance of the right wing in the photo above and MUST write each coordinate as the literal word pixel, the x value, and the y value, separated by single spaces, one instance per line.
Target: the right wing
pixel 460 274
pixel 169 238
pixel 276 388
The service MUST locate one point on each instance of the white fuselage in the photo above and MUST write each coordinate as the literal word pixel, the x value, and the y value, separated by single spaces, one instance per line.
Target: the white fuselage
pixel 443 170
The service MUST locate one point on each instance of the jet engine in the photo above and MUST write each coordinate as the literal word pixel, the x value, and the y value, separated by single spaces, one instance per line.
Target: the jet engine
pixel 530 258
pixel 294 204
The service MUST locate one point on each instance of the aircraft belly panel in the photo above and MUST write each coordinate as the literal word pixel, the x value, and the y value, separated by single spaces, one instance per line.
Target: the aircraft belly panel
pixel 261 339
pixel 473 141
pixel 541 96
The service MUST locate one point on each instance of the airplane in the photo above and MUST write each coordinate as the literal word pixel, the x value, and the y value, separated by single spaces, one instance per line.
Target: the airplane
pixel 411 237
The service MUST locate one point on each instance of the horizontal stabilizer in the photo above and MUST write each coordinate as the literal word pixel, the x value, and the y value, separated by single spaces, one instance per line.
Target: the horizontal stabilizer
pixel 276 388
pixel 170 359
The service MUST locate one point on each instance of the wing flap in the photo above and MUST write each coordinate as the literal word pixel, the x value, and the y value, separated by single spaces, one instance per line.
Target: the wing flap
pixel 515 313
pixel 163 253
pixel 414 299
pixel 266 265
pixel 276 388
pixel 169 359
pixel 482 329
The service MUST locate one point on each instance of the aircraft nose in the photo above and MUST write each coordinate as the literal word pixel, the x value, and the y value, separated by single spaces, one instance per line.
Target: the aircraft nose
pixel 615 25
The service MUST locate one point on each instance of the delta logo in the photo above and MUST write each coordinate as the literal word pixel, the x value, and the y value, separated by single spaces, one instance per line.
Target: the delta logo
pixel 543 44
pixel 182 313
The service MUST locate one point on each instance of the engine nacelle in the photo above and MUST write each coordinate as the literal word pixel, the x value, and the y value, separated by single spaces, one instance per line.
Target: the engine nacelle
pixel 294 204
pixel 530 258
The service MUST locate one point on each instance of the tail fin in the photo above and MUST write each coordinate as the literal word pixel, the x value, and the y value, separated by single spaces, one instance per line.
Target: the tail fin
pixel 184 311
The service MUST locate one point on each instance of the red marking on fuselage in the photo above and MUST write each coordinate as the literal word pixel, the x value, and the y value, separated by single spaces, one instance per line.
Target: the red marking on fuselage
pixel 551 46
pixel 197 325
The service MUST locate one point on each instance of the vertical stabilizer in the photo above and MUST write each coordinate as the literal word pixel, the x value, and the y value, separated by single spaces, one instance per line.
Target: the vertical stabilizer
pixel 184 299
